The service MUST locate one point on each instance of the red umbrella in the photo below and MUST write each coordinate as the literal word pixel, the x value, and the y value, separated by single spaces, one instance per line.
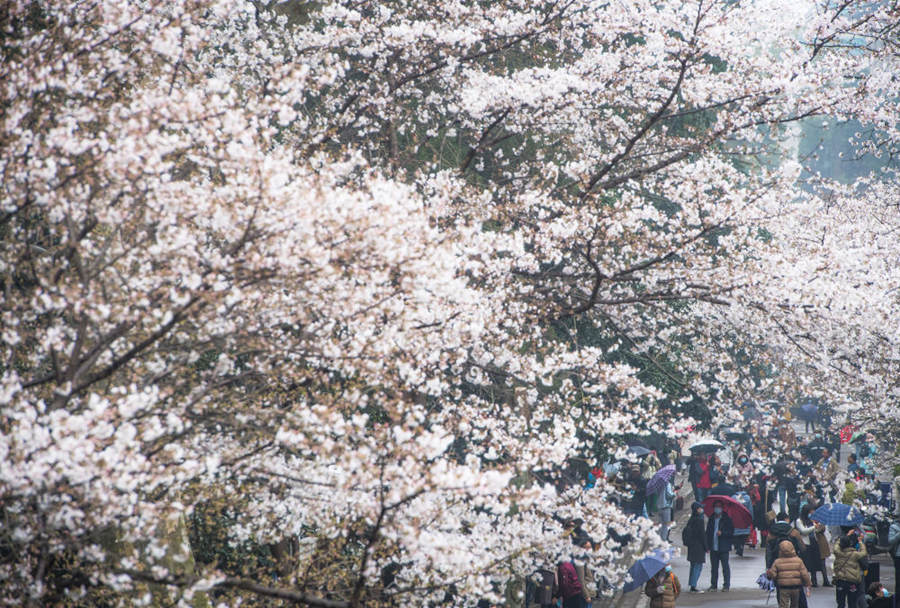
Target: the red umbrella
pixel 735 510
pixel 846 434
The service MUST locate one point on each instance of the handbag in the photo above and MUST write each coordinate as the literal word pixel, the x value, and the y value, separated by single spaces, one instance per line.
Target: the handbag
pixel 864 564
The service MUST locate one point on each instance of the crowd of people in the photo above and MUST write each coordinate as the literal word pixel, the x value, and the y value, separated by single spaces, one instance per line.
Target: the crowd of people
pixel 780 479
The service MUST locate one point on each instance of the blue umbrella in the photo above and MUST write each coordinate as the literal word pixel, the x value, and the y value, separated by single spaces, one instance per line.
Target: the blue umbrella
pixel 809 410
pixel 644 569
pixel 837 514
pixel 638 450
pixel 660 478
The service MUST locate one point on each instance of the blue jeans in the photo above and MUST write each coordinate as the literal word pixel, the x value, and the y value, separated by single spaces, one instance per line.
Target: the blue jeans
pixel 703 493
pixel 716 557
pixel 696 569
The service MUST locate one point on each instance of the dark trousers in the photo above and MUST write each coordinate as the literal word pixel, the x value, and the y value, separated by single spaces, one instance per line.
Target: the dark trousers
pixel 716 557
pixel 847 593
pixel 576 601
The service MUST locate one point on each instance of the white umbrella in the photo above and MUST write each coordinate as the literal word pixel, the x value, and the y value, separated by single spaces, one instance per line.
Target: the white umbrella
pixel 706 444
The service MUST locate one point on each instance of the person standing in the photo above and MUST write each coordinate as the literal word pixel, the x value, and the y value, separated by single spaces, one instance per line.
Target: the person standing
pixel 827 466
pixel 570 587
pixel 719 534
pixel 779 531
pixel 663 588
pixel 849 554
pixel 704 484
pixel 547 588
pixel 694 538
pixel 807 528
pixel 716 472
pixel 782 472
pixel 894 544
pixel 790 576
pixel 743 472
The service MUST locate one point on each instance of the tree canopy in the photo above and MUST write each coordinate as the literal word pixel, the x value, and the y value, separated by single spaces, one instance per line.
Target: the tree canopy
pixel 364 274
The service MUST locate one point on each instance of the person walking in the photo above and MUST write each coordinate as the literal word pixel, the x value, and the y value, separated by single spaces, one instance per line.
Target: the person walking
pixel 849 557
pixel 779 531
pixel 719 534
pixel 790 576
pixel 665 509
pixel 663 588
pixel 694 538
pixel 807 529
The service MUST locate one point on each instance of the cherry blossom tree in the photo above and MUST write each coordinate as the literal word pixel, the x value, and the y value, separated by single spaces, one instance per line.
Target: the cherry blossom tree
pixel 326 264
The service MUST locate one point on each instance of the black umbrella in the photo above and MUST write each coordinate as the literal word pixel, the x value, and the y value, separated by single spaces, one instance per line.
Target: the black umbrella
pixel 724 489
pixel 737 436
pixel 813 452
pixel 819 443
pixel 797 413
pixel 750 411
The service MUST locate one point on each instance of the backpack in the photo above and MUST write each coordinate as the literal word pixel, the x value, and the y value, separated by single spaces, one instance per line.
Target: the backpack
pixel 569 585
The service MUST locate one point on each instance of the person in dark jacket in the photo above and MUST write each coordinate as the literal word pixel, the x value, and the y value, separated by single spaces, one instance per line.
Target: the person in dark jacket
pixel 694 538
pixel 879 597
pixel 779 531
pixel 719 535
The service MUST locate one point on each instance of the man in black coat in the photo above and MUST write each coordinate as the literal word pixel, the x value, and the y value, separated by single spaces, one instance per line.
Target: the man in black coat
pixel 779 531
pixel 719 535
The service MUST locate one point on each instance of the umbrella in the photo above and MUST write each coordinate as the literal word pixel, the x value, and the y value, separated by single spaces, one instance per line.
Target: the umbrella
pixel 706 445
pixel 751 413
pixel 797 413
pixel 660 478
pixel 813 452
pixel 737 436
pixel 837 514
pixel 724 489
pixel 738 513
pixel 858 436
pixel 819 442
pixel 846 434
pixel 749 410
pixel 808 411
pixel 638 450
pixel 765 583
pixel 644 569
